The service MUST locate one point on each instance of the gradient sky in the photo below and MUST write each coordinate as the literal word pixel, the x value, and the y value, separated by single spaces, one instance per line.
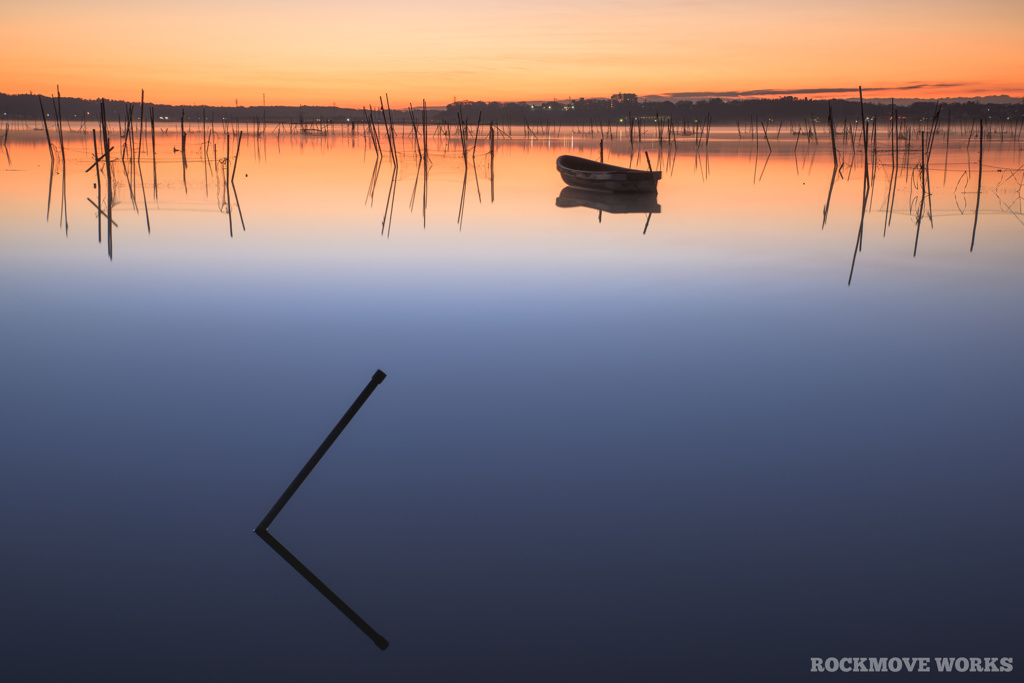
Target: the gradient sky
pixel 349 53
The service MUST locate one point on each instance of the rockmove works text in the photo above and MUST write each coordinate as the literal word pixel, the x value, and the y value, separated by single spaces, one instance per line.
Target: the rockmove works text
pixel 912 664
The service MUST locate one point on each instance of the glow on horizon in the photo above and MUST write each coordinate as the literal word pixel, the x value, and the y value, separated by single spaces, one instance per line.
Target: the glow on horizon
pixel 320 52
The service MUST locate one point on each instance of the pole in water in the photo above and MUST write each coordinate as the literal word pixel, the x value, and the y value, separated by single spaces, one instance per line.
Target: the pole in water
pixel 981 152
pixel 377 378
pixel 264 533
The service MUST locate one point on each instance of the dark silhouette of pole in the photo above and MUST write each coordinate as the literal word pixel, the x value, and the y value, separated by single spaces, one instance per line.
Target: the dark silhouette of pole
pixel 264 533
pixel 377 378
pixel 981 153
pixel 377 638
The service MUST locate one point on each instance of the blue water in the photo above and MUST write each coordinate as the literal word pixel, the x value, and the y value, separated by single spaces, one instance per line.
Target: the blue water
pixel 599 454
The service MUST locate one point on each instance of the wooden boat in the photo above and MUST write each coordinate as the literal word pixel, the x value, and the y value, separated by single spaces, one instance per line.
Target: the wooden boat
pixel 593 175
pixel 609 202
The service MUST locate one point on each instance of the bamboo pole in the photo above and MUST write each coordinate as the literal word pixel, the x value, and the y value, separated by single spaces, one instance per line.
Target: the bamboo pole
pixel 60 130
pixel 99 199
pixel 46 128
pixel 832 131
pixel 110 183
pixel 981 154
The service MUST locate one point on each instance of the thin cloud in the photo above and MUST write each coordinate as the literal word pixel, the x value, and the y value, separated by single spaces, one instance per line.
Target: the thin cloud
pixel 803 91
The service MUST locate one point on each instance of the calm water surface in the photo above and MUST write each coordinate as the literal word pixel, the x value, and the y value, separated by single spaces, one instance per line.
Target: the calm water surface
pixel 611 446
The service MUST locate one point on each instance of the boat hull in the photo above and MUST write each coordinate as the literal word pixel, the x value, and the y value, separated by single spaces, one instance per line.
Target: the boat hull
pixel 592 175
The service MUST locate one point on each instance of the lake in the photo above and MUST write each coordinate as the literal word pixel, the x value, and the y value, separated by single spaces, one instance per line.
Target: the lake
pixel 709 442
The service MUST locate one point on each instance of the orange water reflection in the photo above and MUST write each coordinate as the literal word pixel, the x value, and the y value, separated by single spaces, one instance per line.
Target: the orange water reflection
pixel 731 204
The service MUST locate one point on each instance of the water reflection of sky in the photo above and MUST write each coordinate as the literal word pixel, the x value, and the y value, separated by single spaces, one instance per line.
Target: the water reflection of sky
pixel 599 454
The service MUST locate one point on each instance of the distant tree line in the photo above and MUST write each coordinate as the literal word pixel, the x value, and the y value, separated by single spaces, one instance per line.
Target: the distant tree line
pixel 720 111
pixel 581 112
pixel 26 107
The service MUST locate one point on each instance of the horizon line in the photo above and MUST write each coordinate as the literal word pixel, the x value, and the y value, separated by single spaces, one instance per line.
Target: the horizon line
pixel 692 96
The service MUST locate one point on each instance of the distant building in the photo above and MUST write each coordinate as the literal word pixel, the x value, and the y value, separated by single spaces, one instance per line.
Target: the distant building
pixel 624 99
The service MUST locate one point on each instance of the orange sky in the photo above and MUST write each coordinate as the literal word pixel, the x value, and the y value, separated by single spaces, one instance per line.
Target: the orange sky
pixel 348 53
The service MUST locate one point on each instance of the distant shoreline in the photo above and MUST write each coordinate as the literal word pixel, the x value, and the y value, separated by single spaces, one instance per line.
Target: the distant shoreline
pixel 26 107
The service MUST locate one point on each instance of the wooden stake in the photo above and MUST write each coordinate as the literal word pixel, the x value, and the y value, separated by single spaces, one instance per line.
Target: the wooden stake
pixel 46 128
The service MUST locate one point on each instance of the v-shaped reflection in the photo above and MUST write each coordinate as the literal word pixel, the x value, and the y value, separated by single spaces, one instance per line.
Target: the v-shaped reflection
pixel 262 530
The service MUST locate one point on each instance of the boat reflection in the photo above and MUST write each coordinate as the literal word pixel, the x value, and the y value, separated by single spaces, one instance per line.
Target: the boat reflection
pixel 608 202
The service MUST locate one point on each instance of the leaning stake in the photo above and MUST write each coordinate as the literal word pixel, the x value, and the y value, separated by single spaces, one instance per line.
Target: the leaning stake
pixel 377 378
